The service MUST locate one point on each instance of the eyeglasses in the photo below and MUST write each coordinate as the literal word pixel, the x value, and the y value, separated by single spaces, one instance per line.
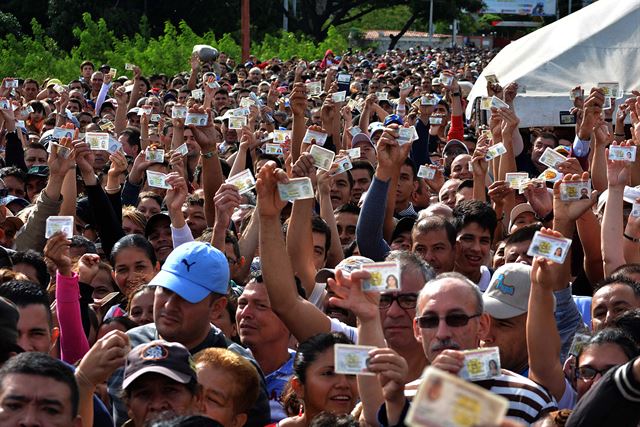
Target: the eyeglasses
pixel 588 373
pixel 405 301
pixel 455 320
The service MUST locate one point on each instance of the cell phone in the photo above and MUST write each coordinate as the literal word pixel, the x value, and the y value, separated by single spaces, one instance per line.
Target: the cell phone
pixel 344 80
pixel 566 118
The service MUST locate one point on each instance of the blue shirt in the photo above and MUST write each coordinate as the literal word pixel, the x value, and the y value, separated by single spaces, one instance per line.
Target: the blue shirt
pixel 275 385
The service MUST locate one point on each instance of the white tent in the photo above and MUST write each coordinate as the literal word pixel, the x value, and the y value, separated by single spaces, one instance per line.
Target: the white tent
pixel 599 43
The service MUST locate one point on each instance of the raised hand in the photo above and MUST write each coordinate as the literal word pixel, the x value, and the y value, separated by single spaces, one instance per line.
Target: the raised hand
pixel 177 195
pixel 207 136
pixel 618 170
pixel 546 273
pixel 350 296
pixel 88 267
pixel 392 370
pixel 269 202
pixel 539 198
pixel 226 200
pixel 107 354
pixel 498 191
pixel 571 210
pixel 57 250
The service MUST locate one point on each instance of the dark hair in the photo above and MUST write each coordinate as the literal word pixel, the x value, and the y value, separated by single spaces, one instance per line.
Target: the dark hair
pixel 261 155
pixel 36 146
pixel 548 135
pixel 42 365
pixel 133 241
pixel 470 211
pixel 27 81
pixel 523 234
pixel 14 172
pixel 319 225
pixel 613 336
pixel 347 208
pixel 436 223
pixel 629 321
pixel 23 293
pixel 309 350
pixel 134 137
pixel 618 280
pixel 409 162
pixel 364 164
pixel 350 249
pixel 82 242
pixel 232 239
pixel 121 320
pixel 149 195
pixel 38 106
pixel 626 270
pixel 187 421
pixel 327 419
pixel 87 63
pixel 35 260
pixel 75 101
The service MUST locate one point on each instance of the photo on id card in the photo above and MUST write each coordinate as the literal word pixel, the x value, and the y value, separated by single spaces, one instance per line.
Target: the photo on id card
pixel 552 248
pixel 296 189
pixel 385 276
pixel 551 158
pixel 571 191
pixel 481 364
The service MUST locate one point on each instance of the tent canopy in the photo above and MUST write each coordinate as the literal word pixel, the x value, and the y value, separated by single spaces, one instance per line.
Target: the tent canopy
pixel 599 43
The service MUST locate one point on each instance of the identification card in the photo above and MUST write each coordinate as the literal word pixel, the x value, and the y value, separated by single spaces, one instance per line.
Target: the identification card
pixel 495 151
pixel 354 153
pixel 339 96
pixel 242 111
pixel 610 89
pixel 433 120
pixel 344 164
pixel 426 172
pixel 62 151
pixel 553 248
pixel 576 93
pixel 5 104
pixel 275 149
pixel 407 135
pixel 314 88
pixel 237 122
pixel 487 133
pixel 12 83
pixel 577 344
pixel 247 102
pixel 179 112
pixel 575 190
pixel 97 140
pixel 322 158
pixel 631 194
pixel 129 67
pixel 485 103
pixel 428 100
pixel 59 133
pixel 106 125
pixel 551 158
pixel 491 78
pixel 243 181
pixel 498 103
pixel 385 276
pixel 196 119
pixel 280 136
pixel 355 130
pixel 113 72
pixel 382 96
pixel 352 359
pixel 445 400
pixel 516 179
pixel 628 154
pixel 405 86
pixel 197 94
pixel 446 79
pixel 183 149
pixel 114 145
pixel 154 155
pixel 145 109
pixel 313 136
pixel 157 179
pixel 59 223
pixel 154 118
pixel 550 175
pixel 296 189
pixel 635 211
pixel 481 364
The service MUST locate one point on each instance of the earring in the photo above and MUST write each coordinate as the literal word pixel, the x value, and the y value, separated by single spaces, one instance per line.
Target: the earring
pixel 301 410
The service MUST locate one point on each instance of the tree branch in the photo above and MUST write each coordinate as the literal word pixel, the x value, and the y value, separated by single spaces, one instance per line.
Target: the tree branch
pixel 405 28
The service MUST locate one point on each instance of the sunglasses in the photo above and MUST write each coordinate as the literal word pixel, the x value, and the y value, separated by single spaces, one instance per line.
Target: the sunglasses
pixel 455 320
pixel 588 373
pixel 405 301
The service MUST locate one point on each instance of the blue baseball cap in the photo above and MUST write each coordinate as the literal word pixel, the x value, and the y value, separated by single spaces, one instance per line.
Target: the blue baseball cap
pixel 393 118
pixel 193 270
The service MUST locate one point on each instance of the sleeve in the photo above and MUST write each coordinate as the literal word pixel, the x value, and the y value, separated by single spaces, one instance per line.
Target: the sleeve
pixel 382 415
pixel 14 154
pixel 101 97
pixel 130 193
pixel 109 228
pixel 369 236
pixel 456 131
pixel 31 235
pixel 613 401
pixel 420 148
pixel 73 341
pixel 349 331
pixel 116 203
pixel 568 319
pixel 181 235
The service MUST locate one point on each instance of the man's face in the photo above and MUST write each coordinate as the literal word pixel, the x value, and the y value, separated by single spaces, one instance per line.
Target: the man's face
pixel 182 97
pixel 346 223
pixel 129 150
pixel 194 216
pixel 316 118
pixel 406 185
pixel 156 397
pixel 449 297
pixel 35 400
pixel 361 183
pixel 539 145
pixel 259 327
pixel 401 242
pixel 220 100
pixel 35 157
pixel 367 152
pixel 434 247
pixel 397 322
pixel 34 330
pixel 15 186
pixel 96 81
pixel 522 220
pixel 460 167
pixel 340 190
pixel 447 194
pixel 319 252
pixel 473 246
pixel 156 105
pixel 509 335
pixel 600 357
pixel 177 319
pixel 517 252
pixel 219 391
pixel 255 75
pixel 86 71
pixel 35 184
pixel 161 240
pixel 133 121
pixel 609 302
pixel 30 91
pixel 190 140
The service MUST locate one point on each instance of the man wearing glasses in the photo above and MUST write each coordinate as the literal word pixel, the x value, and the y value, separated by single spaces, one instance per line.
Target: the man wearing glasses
pixel 450 318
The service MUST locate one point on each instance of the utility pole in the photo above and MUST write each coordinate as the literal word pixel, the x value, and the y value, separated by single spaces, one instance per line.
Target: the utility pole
pixel 285 17
pixel 245 29
pixel 431 23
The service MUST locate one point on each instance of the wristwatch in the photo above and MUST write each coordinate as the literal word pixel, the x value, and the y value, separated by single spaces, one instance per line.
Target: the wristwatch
pixel 210 154
pixel 548 217
pixel 457 94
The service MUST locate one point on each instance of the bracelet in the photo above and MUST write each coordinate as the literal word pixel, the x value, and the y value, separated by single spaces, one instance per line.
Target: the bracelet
pixel 619 134
pixel 633 239
pixel 548 217
pixel 111 190
pixel 210 154
pixel 456 94
pixel 608 120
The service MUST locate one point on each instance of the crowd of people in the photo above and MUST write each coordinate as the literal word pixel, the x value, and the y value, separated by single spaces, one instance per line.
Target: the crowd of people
pixel 180 297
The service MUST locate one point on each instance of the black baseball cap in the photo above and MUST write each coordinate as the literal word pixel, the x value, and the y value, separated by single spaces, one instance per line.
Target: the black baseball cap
pixel 169 359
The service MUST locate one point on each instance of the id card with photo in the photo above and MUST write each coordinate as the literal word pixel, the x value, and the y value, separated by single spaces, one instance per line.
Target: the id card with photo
pixel 179 112
pixel 344 164
pixel 106 125
pixel 575 190
pixel 243 181
pixel 491 78
pixel 55 224
pixel 296 189
pixel 275 149
pixel 446 79
pixel 196 119
pixel 354 153
pixel 128 67
pixel 428 100
pixel 627 154
pixel 382 96
pixel 154 155
pixel 145 109
pixel 59 133
pixel 237 122
pixel 495 151
pixel 487 133
pixel 339 96
pixel 485 103
pixel 97 140
pixel 551 158
pixel 435 120
pixel 157 179
pixel 197 94
pixel 498 103
pixel 5 104
pixel 516 179
pixel 242 111
pixel 114 145
pixel 481 364
pixel 247 102
pixel 445 400
pixel 314 88
pixel 352 359
pixel 407 135
pixel 610 89
pixel 553 248
pixel 426 172
pixel 313 136
pixel 322 158
pixel 355 130
pixel 63 151
pixel 183 149
pixel 280 136
pixel 385 276
pixel 576 93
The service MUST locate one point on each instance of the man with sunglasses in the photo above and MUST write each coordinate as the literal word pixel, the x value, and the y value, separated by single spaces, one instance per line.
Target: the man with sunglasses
pixel 450 318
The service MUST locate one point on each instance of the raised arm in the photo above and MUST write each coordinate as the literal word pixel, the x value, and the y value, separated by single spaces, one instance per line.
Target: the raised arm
pixel 298 102
pixel 226 200
pixel 335 254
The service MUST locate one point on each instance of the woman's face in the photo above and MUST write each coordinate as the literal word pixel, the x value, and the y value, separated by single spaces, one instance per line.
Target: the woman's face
pixel 325 390
pixel 141 310
pixel 148 207
pixel 132 268
pixel 102 285
pixel 599 357
pixel 130 227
